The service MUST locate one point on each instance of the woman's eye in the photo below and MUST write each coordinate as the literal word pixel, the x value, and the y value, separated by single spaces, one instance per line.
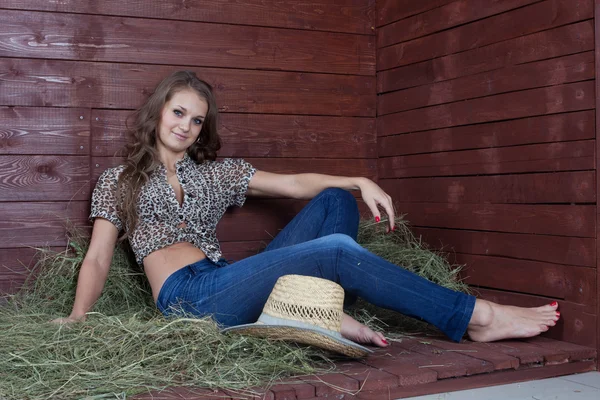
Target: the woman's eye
pixel 178 113
pixel 198 121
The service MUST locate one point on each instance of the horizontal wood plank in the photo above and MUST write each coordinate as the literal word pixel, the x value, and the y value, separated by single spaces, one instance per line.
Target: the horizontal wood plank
pixel 44 178
pixel 553 249
pixel 576 324
pixel 393 10
pixel 549 157
pixel 252 135
pixel 561 41
pixel 16 265
pixel 345 167
pixel 550 100
pixel 560 220
pixel 442 18
pixel 342 16
pixel 523 374
pixel 235 251
pixel 28 82
pixel 47 130
pixel 140 40
pixel 39 223
pixel 574 284
pixel 556 71
pixel 573 126
pixel 515 24
pixel 561 187
pixel 261 219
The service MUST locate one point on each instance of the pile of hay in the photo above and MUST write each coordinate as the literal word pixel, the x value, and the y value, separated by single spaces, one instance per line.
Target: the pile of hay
pixel 126 347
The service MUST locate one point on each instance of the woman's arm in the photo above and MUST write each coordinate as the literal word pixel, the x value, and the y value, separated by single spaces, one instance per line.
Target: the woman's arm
pixel 306 186
pixel 94 269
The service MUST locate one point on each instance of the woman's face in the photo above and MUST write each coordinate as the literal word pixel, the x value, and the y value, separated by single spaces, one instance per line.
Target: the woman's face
pixel 181 121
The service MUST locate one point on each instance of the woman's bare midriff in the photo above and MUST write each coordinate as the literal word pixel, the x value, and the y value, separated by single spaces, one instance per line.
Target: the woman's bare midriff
pixel 160 264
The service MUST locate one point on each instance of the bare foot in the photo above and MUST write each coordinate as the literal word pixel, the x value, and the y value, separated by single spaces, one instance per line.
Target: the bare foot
pixel 491 321
pixel 359 333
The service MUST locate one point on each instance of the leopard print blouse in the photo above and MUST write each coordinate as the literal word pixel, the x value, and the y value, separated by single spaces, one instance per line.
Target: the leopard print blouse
pixel 209 189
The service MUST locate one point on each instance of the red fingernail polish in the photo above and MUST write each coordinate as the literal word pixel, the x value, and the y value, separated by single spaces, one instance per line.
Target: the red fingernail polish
pixel 554 304
pixel 377 219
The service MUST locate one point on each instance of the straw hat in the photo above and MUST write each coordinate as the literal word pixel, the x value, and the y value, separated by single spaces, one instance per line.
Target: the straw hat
pixel 306 310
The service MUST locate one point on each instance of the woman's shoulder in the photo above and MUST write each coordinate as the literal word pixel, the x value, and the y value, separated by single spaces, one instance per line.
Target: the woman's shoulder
pixel 111 175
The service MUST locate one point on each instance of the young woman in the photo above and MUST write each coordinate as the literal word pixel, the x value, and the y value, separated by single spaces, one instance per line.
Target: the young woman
pixel 171 193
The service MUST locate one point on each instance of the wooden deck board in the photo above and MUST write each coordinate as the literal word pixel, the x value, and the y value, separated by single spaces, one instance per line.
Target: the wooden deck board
pixel 417 366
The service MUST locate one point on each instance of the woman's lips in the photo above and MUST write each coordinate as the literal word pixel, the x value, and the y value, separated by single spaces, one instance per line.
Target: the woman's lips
pixel 180 137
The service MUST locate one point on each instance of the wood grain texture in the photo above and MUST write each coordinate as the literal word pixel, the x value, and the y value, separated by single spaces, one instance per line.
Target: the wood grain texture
pixel 567 282
pixel 560 187
pixel 442 18
pixel 349 16
pixel 140 40
pixel 393 10
pixel 44 178
pixel 255 135
pixel 560 220
pixel 556 71
pixel 514 24
pixel 549 157
pixel 25 130
pixel 28 82
pixel 561 41
pixel 573 126
pixel 553 249
pixel 525 103
pixel 39 223
pixel 576 324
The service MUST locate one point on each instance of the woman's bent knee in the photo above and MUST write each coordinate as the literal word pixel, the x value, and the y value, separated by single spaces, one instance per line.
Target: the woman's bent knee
pixel 339 241
pixel 338 193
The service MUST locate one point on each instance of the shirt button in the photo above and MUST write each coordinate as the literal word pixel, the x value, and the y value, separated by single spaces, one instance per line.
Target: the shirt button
pixel 180 216
pixel 183 181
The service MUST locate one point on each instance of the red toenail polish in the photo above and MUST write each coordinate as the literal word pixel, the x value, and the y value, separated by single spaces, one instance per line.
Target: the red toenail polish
pixel 553 304
pixel 558 313
pixel 377 219
pixel 384 341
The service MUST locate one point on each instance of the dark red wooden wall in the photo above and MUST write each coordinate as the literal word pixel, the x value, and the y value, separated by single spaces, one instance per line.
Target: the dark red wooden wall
pixel 295 85
pixel 486 139
pixel 479 119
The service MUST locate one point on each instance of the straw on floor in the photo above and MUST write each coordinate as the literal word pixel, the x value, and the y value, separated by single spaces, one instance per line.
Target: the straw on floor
pixel 126 347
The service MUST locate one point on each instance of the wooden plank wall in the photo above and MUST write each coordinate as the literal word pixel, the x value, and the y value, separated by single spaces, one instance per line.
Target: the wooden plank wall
pixel 486 139
pixel 295 85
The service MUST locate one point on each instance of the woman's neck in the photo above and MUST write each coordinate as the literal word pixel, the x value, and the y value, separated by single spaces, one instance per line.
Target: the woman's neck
pixel 169 160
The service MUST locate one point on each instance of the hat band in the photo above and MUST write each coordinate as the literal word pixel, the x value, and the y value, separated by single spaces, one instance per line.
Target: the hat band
pixel 270 320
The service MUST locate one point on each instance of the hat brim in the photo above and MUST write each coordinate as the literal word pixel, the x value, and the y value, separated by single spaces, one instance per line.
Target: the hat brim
pixel 315 336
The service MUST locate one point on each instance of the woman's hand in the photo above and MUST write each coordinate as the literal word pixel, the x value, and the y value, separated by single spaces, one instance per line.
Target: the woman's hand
pixel 374 196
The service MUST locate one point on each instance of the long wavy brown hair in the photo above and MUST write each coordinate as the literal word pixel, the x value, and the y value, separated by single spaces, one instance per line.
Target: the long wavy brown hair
pixel 142 156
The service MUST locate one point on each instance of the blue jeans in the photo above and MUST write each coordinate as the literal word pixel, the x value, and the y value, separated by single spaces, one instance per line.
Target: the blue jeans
pixel 320 242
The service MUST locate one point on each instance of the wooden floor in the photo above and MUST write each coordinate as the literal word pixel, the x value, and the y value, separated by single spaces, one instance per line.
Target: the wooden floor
pixel 417 366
